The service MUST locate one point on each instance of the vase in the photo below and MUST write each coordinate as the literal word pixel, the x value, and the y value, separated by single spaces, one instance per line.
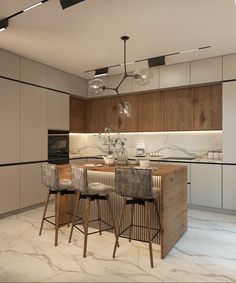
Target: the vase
pixel 122 156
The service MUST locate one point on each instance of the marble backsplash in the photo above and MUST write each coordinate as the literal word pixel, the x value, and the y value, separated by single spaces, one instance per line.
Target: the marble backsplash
pixel 177 144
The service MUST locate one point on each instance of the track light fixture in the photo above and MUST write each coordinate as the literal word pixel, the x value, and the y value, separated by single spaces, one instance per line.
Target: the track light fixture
pixel 68 3
pixel 101 72
pixel 156 61
pixel 3 24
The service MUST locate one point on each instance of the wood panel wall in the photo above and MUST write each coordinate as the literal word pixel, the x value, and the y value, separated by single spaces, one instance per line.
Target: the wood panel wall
pixel 186 109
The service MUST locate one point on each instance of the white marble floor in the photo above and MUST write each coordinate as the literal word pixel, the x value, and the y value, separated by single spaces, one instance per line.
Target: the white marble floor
pixel 206 253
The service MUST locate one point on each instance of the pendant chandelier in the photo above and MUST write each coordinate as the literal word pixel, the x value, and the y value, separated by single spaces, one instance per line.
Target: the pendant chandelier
pixel 140 76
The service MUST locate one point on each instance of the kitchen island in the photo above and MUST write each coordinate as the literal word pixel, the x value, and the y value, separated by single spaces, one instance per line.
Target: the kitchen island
pixel 172 180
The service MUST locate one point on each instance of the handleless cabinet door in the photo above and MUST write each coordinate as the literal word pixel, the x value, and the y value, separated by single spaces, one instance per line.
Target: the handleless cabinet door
pixel 10 65
pixel 206 185
pixel 175 75
pixel 206 70
pixel 229 118
pixel 229 188
pixel 33 123
pixel 9 121
pixel 33 72
pixel 58 111
pixel 32 191
pixel 10 189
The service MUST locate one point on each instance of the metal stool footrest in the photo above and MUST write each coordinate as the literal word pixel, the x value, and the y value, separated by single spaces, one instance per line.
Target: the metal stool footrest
pixel 106 229
pixel 139 226
pixel 53 216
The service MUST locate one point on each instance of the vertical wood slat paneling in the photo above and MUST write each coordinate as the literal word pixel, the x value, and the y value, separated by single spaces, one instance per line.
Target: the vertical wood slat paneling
pixel 108 178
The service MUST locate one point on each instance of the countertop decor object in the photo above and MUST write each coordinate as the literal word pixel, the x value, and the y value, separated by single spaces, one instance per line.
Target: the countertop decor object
pixel 141 77
pixel 113 139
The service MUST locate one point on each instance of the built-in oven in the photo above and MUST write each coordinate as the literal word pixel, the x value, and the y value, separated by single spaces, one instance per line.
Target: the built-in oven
pixel 58 147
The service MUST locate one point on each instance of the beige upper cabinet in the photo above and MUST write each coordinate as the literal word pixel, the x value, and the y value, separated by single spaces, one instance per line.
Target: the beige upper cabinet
pixel 154 84
pixel 9 121
pixel 58 111
pixel 206 70
pixel 175 75
pixel 66 82
pixel 33 72
pixel 33 118
pixel 229 67
pixel 10 65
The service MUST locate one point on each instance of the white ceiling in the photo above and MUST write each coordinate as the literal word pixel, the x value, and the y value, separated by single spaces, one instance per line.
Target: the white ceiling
pixel 87 35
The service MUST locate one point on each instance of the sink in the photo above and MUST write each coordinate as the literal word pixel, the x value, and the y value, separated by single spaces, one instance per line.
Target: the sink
pixel 178 158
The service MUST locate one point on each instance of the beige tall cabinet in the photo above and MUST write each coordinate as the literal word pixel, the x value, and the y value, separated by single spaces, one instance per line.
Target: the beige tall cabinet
pixel 58 110
pixel 9 121
pixel 33 120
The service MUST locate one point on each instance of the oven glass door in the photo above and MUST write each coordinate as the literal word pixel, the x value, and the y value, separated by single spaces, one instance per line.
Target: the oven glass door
pixel 58 148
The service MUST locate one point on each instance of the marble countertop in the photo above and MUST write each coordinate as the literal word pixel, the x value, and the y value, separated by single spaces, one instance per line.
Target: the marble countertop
pixel 151 158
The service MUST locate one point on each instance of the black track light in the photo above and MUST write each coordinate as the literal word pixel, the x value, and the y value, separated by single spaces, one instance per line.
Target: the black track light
pixel 156 61
pixel 3 24
pixel 101 72
pixel 68 3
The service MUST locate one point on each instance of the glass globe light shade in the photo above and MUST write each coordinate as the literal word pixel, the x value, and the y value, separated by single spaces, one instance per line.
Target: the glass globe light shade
pixel 143 77
pixel 125 110
pixel 97 86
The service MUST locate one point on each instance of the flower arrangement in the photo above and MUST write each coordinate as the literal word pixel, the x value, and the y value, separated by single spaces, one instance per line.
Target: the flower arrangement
pixel 112 139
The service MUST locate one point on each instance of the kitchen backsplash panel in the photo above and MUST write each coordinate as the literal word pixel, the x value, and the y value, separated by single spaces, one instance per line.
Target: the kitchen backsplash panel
pixel 178 144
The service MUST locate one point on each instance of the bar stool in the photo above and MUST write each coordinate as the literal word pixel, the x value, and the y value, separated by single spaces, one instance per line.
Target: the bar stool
pixel 56 187
pixel 91 192
pixel 136 185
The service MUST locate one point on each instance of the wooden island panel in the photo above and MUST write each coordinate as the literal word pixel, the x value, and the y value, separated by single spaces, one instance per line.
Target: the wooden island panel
pixel 173 201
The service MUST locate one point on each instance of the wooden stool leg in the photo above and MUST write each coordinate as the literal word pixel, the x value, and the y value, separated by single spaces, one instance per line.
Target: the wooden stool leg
pixel 119 226
pixel 131 222
pixel 45 211
pixel 88 200
pixel 112 215
pixel 74 216
pixel 147 207
pixel 157 204
pixel 58 197
pixel 99 217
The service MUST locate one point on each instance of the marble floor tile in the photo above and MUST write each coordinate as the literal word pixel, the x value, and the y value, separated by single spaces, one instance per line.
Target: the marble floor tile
pixel 206 253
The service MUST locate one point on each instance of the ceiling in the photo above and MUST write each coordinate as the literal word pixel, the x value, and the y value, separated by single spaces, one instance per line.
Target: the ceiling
pixel 87 36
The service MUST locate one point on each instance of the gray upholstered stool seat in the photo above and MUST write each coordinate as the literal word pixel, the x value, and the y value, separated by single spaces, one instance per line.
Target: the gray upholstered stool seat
pixel 99 188
pixel 91 191
pixel 58 187
pixel 135 186
pixel 65 184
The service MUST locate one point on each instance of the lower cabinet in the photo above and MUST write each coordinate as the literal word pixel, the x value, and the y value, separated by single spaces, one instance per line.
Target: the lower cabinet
pixel 32 191
pixel 10 188
pixel 229 187
pixel 206 185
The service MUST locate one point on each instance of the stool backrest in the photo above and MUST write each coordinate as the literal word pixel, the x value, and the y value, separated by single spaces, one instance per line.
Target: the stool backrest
pixel 49 173
pixel 79 179
pixel 131 182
